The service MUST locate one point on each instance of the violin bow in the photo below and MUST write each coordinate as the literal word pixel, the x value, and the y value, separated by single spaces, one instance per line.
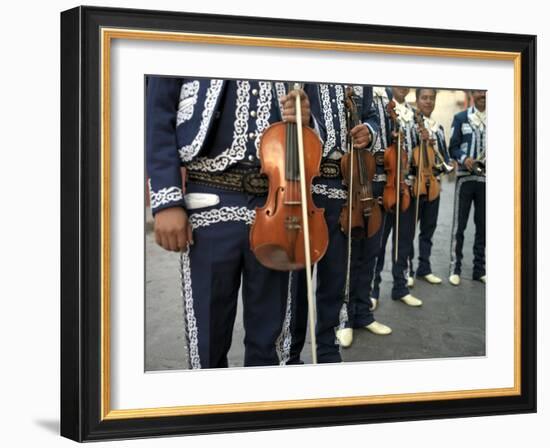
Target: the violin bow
pixel 398 192
pixel 305 220
pixel 418 171
pixel 350 202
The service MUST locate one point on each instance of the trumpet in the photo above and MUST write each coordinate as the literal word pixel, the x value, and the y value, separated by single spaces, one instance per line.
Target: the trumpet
pixel 479 166
pixel 440 164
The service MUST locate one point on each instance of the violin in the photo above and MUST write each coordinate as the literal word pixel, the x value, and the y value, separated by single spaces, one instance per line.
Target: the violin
pixel 358 169
pixel 289 231
pixel 396 195
pixel 423 159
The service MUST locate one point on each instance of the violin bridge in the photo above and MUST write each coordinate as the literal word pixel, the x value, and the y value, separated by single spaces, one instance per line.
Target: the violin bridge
pixel 292 223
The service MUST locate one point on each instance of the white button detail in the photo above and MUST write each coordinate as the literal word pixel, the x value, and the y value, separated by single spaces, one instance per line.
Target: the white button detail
pixel 254 91
pixel 251 158
pixel 251 136
pixel 253 113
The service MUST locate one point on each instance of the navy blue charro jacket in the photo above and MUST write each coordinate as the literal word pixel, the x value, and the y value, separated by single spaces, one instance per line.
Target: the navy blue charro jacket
pixel 468 138
pixel 205 125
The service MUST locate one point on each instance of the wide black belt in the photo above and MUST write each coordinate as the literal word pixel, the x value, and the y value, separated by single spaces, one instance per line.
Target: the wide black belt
pixel 244 180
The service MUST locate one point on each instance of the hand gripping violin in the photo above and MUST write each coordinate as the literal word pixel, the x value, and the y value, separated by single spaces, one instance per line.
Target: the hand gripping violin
pixel 358 169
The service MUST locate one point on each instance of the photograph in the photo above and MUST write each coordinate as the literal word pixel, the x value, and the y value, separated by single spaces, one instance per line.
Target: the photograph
pixel 398 266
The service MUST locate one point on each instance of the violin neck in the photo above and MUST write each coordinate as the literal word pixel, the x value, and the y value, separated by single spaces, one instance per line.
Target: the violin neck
pixel 292 167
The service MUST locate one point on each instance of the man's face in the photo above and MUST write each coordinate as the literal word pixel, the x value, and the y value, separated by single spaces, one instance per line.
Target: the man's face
pixel 400 93
pixel 426 101
pixel 479 99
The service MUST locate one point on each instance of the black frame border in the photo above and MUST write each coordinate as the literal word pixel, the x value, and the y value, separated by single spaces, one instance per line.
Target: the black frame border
pixel 81 223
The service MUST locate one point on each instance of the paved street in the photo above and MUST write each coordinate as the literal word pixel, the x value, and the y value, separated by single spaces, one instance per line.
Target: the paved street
pixel 451 323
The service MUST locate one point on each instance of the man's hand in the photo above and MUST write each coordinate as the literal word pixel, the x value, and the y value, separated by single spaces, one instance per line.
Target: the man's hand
pixel 361 136
pixel 424 135
pixel 289 107
pixel 469 163
pixel 172 229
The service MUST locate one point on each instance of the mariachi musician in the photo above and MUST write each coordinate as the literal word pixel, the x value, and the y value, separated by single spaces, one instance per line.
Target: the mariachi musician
pixel 401 239
pixel 427 206
pixel 327 105
pixel 212 127
pixel 468 146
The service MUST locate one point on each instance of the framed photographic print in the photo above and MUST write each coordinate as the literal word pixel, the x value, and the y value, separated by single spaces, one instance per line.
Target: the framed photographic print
pixel 274 223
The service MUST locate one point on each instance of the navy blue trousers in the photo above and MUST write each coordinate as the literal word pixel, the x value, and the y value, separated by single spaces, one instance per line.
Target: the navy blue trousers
pixel 364 255
pixel 469 190
pixel 425 228
pixel 330 285
pixel 212 271
pixel 399 266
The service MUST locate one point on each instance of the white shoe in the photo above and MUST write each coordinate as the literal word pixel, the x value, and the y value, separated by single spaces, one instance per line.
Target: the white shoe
pixel 483 279
pixel 433 279
pixel 411 300
pixel 378 328
pixel 454 279
pixel 410 281
pixel 345 336
pixel 374 303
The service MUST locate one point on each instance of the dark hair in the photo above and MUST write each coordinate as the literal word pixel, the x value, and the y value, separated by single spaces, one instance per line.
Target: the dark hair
pixel 419 89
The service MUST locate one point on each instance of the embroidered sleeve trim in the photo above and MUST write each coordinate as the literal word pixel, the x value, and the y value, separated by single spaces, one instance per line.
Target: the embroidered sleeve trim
pixel 164 196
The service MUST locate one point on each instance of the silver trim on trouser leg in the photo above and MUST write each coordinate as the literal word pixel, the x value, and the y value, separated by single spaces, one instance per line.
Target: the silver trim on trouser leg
pixel 191 329
pixel 459 182
pixel 284 340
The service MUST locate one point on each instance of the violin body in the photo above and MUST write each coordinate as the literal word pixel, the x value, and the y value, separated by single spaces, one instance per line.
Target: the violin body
pixel 425 183
pixel 389 198
pixel 364 207
pixel 423 159
pixel 277 235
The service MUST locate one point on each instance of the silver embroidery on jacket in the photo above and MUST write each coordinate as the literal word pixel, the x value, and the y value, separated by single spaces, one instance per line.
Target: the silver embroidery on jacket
pixel 339 89
pixel 188 98
pixel 330 192
pixel 164 195
pixel 281 92
pixel 238 146
pixel 330 142
pixel 187 152
pixel 263 112
pixel 382 142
